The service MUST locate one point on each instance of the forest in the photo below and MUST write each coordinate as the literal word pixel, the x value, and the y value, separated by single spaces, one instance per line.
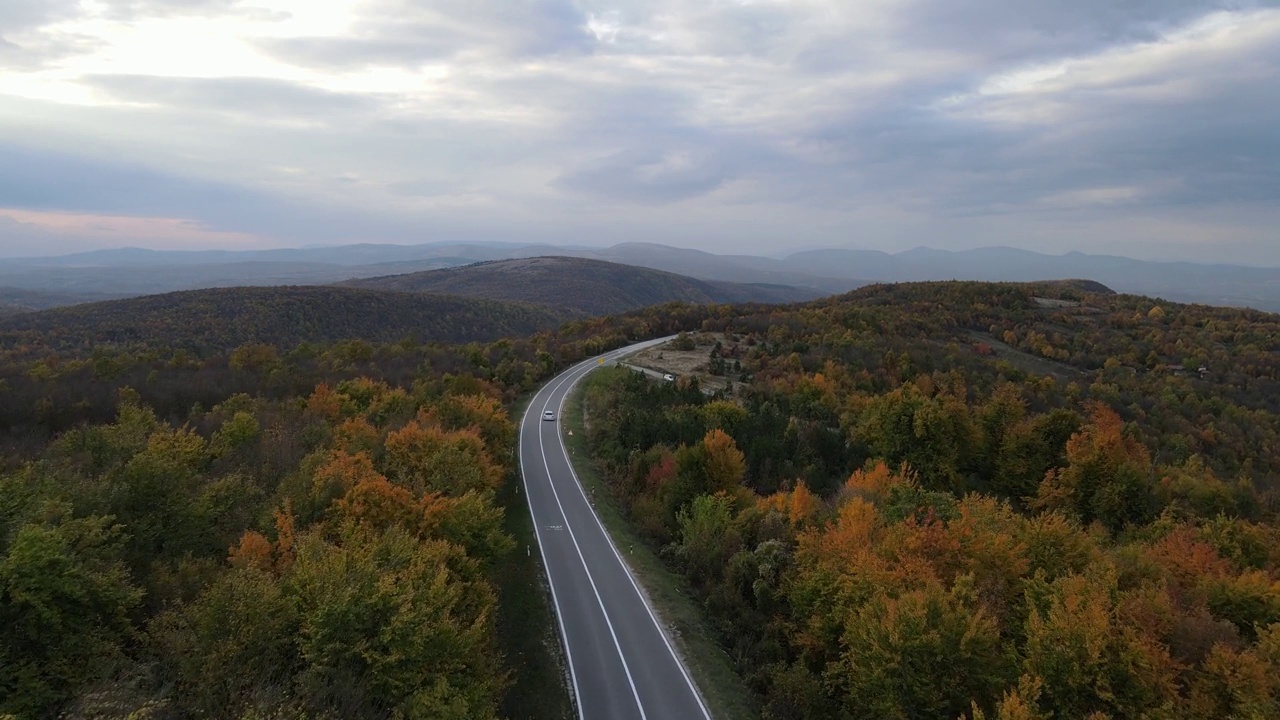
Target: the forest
pixel 967 500
pixel 201 321
pixel 315 531
pixel 579 286
pixel 957 500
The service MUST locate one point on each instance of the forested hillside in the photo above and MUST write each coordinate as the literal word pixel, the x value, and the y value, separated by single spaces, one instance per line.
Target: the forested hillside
pixel 587 287
pixel 936 500
pixel 971 500
pixel 224 318
pixel 15 300
pixel 312 531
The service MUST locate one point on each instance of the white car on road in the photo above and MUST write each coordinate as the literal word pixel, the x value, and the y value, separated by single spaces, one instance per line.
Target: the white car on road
pixel 548 415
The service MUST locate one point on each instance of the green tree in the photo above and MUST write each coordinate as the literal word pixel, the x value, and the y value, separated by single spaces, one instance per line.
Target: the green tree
pixel 1107 477
pixel 1251 601
pixel 1089 662
pixel 995 420
pixel 389 621
pixel 1238 683
pixel 154 495
pixel 474 523
pixel 707 538
pixel 1029 449
pixel 922 654
pixel 236 642
pixel 933 435
pixel 65 601
pixel 236 433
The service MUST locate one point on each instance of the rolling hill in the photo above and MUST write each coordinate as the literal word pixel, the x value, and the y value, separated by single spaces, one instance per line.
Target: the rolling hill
pixel 1257 287
pixel 580 285
pixel 22 300
pixel 821 271
pixel 222 318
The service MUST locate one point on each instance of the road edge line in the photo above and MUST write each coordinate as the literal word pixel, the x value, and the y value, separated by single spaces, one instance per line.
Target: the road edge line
pixel 546 569
pixel 644 599
pixel 586 568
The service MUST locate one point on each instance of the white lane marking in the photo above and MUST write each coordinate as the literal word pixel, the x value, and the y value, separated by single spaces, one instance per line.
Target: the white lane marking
pixel 546 568
pixel 626 669
pixel 652 616
pixel 564 636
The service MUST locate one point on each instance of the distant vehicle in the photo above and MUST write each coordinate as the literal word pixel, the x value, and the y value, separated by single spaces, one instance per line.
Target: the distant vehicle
pixel 669 377
pixel 548 415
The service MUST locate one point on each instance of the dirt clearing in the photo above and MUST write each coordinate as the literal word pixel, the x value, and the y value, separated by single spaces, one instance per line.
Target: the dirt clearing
pixel 667 358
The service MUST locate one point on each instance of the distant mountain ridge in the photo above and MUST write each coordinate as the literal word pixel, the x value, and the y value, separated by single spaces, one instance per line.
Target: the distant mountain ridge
pixel 1180 281
pixel 343 255
pixel 225 318
pixel 22 300
pixel 581 285
pixel 827 271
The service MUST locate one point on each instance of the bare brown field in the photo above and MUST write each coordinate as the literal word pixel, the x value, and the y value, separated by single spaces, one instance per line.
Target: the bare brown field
pixel 692 363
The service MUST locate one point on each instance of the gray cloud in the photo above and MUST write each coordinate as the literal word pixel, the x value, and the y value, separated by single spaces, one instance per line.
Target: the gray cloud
pixel 37 179
pixel 1209 143
pixel 1001 30
pixel 130 9
pixel 651 177
pixel 891 124
pixel 257 96
pixel 409 33
pixel 20 15
pixel 43 180
pixel 23 47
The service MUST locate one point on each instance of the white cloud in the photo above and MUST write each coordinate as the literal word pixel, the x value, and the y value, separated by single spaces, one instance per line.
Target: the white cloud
pixel 1177 66
pixel 729 124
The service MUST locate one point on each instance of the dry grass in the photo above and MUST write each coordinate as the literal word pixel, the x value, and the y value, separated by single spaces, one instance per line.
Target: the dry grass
pixel 690 363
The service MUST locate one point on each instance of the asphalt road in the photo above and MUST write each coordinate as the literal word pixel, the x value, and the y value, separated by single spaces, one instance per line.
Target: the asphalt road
pixel 621 663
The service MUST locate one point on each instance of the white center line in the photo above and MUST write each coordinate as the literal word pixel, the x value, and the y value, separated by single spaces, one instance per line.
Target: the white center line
pixel 599 600
pixel 652 616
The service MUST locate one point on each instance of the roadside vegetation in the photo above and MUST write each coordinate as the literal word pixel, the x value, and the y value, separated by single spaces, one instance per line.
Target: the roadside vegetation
pixel 891 516
pixel 678 609
pixel 894 520
pixel 323 531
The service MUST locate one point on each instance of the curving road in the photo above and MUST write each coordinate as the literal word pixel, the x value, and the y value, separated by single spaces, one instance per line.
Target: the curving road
pixel 621 663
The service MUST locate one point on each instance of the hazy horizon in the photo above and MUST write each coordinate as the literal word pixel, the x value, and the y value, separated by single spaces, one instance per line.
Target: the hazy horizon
pixel 589 246
pixel 1142 130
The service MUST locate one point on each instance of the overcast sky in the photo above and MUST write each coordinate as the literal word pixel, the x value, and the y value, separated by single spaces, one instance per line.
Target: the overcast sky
pixel 1148 128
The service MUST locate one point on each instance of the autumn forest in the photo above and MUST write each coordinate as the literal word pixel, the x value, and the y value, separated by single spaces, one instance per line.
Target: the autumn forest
pixel 936 500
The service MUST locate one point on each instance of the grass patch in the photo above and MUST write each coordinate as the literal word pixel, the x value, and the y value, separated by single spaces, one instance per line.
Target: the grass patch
pixel 527 629
pixel 1025 361
pixel 722 689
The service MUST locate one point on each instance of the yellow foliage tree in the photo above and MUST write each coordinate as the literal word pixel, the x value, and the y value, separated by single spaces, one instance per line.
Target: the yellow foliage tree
pixel 871 483
pixel 427 458
pixel 1106 478
pixel 725 463
pixel 338 475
